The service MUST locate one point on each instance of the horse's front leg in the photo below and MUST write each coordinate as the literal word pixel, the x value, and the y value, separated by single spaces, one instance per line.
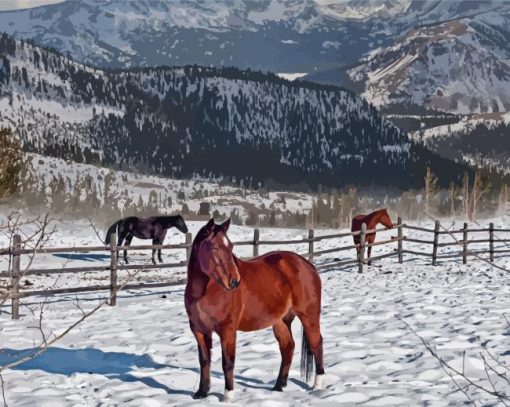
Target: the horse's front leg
pixel 204 341
pixel 154 243
pixel 159 240
pixel 369 252
pixel 228 357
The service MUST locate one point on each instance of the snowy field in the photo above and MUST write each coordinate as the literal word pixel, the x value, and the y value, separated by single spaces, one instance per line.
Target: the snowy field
pixel 142 353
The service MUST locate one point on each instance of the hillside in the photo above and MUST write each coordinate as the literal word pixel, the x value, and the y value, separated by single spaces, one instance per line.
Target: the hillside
pixel 480 140
pixel 78 189
pixel 247 126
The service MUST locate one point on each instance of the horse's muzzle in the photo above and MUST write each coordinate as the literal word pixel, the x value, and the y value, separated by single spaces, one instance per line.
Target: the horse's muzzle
pixel 234 283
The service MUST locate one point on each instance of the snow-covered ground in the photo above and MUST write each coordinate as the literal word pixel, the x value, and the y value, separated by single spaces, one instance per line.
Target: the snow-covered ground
pixel 141 352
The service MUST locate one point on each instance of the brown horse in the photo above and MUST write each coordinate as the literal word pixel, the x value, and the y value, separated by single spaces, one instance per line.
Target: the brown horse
pixel 371 220
pixel 225 294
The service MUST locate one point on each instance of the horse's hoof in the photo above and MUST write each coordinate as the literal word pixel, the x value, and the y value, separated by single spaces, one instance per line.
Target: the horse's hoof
pixel 280 384
pixel 200 395
pixel 319 382
pixel 228 396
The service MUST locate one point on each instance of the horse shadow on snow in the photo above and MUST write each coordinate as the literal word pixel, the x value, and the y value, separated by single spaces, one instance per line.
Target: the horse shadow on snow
pixel 113 365
pixel 83 256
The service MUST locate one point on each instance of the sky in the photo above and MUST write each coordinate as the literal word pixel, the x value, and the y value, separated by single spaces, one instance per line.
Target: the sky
pixel 16 4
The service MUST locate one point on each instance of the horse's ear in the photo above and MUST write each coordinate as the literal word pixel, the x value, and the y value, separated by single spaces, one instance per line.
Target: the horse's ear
pixel 210 226
pixel 225 225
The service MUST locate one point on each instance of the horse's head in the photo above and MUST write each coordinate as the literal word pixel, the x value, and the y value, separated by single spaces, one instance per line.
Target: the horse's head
pixel 385 219
pixel 213 250
pixel 180 224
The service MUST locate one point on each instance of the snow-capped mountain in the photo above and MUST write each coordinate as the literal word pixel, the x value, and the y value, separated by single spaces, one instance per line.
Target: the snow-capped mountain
pixel 203 121
pixel 276 35
pixel 407 13
pixel 441 54
pixel 460 66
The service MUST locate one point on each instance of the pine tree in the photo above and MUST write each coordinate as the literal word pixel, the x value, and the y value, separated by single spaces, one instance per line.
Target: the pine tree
pixel 11 163
pixel 430 189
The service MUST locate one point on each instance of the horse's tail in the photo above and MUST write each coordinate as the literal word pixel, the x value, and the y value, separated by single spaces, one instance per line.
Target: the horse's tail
pixel 306 358
pixel 111 230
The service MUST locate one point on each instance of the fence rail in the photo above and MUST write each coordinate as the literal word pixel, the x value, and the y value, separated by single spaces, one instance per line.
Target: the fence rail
pixel 114 267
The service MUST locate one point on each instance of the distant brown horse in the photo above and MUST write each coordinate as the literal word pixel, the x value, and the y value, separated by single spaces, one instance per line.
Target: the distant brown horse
pixel 225 294
pixel 371 220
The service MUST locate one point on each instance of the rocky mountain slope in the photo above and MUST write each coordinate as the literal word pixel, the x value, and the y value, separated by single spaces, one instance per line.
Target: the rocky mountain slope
pixel 248 126
pixel 460 66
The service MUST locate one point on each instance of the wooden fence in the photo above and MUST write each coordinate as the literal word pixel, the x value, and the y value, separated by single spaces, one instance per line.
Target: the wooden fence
pixel 16 251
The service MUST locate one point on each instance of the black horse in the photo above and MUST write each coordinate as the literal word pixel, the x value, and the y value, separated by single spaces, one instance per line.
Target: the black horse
pixel 153 228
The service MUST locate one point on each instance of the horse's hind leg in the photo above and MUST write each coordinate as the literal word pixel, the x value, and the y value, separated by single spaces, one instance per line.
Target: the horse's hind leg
pixel 284 337
pixel 120 240
pixel 127 243
pixel 311 327
pixel 369 252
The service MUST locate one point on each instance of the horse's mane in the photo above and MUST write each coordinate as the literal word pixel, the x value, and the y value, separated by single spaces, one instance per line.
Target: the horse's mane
pixel 376 212
pixel 168 217
pixel 199 238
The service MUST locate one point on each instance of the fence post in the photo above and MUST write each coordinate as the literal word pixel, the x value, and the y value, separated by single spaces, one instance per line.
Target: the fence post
pixel 362 238
pixel 436 242
pixel 400 241
pixel 188 247
pixel 464 243
pixel 491 241
pixel 15 276
pixel 256 239
pixel 113 270
pixel 310 244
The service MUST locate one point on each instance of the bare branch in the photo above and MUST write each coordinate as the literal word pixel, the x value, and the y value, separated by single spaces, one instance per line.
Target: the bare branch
pixel 41 236
pixel 448 369
pixel 3 390
pixel 91 224
pixel 488 367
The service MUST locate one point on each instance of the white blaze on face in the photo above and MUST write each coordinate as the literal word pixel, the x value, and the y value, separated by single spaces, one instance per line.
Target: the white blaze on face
pixel 225 240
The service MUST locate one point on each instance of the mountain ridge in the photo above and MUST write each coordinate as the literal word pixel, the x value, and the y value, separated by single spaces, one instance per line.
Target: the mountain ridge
pixel 193 120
